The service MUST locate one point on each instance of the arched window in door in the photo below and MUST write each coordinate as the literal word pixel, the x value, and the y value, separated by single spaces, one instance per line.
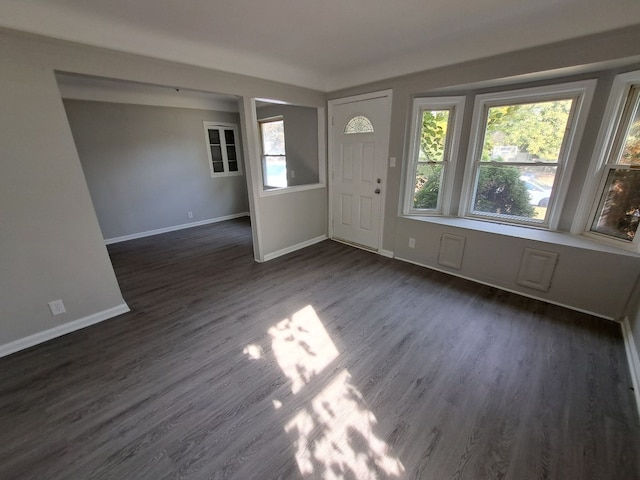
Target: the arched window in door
pixel 358 124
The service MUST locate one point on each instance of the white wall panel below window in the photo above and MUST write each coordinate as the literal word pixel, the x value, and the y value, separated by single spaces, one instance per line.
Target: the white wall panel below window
pixel 451 250
pixel 536 269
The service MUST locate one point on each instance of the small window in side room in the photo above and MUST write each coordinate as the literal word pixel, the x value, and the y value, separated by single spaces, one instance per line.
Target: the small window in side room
pixel 222 149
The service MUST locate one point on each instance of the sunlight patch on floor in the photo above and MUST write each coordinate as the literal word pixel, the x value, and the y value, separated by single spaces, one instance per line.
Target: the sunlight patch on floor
pixel 253 351
pixel 302 347
pixel 334 435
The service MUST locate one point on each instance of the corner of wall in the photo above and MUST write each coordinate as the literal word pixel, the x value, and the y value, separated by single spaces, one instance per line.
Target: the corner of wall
pixel 633 358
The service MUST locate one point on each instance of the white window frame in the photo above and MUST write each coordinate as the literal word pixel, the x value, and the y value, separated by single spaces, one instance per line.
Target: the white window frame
pixel 452 143
pixel 602 164
pixel 582 92
pixel 221 127
pixel 263 155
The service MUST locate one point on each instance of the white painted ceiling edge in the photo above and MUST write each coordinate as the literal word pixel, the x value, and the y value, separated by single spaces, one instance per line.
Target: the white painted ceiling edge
pixel 324 45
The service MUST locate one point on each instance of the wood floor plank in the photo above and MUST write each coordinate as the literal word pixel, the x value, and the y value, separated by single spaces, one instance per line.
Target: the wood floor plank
pixel 330 362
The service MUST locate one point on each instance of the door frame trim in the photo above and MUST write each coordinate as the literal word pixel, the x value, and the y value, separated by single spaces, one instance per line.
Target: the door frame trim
pixel 330 160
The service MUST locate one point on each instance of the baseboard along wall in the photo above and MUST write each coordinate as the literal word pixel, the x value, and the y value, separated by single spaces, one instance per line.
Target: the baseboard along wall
pixel 41 337
pixel 149 233
pixel 293 248
pixel 517 292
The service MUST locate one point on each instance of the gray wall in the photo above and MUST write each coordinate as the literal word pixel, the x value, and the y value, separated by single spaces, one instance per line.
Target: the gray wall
pixel 50 241
pixel 292 218
pixel 585 278
pixel 633 314
pixel 301 140
pixel 147 166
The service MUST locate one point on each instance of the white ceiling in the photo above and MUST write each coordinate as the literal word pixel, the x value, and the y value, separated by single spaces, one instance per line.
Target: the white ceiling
pixel 321 44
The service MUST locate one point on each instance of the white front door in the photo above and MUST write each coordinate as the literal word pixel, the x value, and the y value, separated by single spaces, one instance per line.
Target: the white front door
pixel 359 143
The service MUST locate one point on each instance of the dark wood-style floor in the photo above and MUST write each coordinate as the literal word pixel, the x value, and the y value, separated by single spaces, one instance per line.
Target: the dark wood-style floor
pixel 330 362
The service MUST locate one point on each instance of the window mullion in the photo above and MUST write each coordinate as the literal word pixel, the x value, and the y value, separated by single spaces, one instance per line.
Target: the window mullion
pixel 223 147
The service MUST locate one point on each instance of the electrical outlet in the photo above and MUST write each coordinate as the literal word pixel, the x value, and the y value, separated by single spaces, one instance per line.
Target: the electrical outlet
pixel 412 243
pixel 190 214
pixel 57 307
pixel 392 162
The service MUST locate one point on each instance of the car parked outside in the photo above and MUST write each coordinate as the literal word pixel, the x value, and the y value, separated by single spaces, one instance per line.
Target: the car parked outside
pixel 539 193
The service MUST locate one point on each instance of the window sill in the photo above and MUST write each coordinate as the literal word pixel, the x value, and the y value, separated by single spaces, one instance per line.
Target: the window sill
pixel 529 233
pixel 296 188
pixel 226 174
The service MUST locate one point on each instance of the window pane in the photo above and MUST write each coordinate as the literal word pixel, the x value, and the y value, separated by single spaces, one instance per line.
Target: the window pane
pixel 518 192
pixel 229 137
pixel 433 134
pixel 273 137
pixel 358 124
pixel 619 209
pixel 427 186
pixel 214 136
pixel 529 132
pixel 231 153
pixel 275 171
pixel 218 167
pixel 631 148
pixel 233 166
pixel 216 153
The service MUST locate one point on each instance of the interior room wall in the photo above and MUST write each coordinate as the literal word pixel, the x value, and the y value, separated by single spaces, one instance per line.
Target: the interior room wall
pixel 147 166
pixel 634 318
pixel 301 141
pixel 489 256
pixel 631 330
pixel 51 243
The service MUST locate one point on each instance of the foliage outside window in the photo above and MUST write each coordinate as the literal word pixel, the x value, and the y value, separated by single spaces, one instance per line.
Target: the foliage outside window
pixel 274 158
pixel 616 212
pixel 435 132
pixel 222 149
pixel 522 143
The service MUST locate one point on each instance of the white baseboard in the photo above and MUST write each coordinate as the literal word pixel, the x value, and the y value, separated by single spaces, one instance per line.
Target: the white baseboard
pixel 500 287
pixel 40 337
pixel 633 359
pixel 293 248
pixel 382 251
pixel 148 233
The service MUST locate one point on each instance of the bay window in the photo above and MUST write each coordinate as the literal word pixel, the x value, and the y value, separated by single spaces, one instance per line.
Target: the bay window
pixel 522 149
pixel 436 124
pixel 615 213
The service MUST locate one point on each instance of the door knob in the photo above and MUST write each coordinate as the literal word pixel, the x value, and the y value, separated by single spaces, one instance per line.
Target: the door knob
pixel 377 191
